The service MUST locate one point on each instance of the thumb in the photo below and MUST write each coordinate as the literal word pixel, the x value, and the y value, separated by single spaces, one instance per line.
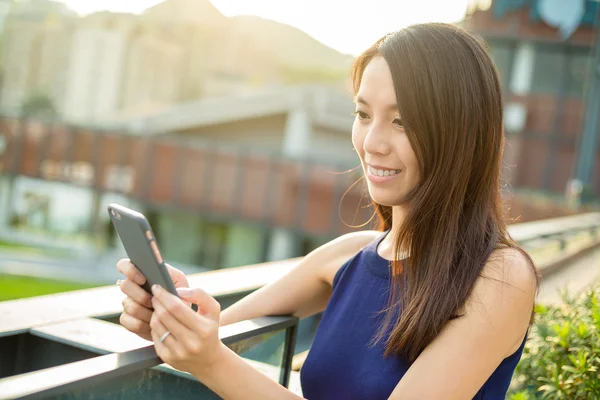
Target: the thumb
pixel 207 305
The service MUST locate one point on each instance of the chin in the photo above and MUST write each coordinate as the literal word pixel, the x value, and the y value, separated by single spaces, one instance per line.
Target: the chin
pixel 387 199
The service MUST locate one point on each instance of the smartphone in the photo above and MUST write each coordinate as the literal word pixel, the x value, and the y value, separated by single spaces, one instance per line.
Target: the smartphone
pixel 140 244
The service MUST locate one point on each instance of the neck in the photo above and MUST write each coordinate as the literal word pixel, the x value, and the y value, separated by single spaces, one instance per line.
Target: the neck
pixel 386 248
pixel 398 213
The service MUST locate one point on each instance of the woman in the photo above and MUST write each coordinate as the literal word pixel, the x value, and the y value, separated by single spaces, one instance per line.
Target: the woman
pixel 436 306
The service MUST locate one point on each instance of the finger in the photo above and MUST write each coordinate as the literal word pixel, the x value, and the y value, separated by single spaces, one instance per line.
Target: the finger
pixel 133 324
pixel 170 346
pixel 130 271
pixel 210 307
pixel 137 310
pixel 178 277
pixel 161 348
pixel 183 334
pixel 177 308
pixel 138 294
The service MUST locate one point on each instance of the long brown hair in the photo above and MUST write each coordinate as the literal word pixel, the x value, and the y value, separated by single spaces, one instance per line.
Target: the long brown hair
pixel 449 96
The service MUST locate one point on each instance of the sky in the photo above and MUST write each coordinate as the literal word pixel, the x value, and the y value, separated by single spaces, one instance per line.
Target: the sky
pixel 349 26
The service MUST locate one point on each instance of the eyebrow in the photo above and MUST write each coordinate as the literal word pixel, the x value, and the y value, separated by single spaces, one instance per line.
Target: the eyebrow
pixel 360 100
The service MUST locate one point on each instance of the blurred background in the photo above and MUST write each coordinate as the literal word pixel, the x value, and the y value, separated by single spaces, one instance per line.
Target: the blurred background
pixel 227 123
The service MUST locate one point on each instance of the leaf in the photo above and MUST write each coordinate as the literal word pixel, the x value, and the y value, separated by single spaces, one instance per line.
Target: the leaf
pixel 582 330
pixel 561 359
pixel 540 309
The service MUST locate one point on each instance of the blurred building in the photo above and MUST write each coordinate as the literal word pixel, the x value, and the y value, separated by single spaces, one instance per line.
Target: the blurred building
pixel 545 79
pixel 231 96
pixel 108 65
pixel 309 123
pixel 35 52
pixel 225 181
pixel 229 138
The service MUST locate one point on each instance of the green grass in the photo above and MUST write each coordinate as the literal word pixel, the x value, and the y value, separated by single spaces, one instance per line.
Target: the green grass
pixel 14 246
pixel 17 287
pixel 30 249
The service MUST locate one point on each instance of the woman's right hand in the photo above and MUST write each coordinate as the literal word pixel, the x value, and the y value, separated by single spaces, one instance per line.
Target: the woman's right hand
pixel 137 306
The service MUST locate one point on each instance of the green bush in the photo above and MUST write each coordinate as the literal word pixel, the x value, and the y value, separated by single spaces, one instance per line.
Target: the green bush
pixel 561 359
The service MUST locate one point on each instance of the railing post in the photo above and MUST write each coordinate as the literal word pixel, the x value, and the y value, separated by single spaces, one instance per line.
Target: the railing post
pixel 288 354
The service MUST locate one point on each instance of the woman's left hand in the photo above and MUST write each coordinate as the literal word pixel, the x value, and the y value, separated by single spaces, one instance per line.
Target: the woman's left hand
pixel 193 344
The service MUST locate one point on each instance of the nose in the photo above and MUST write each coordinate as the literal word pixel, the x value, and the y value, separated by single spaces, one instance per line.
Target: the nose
pixel 377 141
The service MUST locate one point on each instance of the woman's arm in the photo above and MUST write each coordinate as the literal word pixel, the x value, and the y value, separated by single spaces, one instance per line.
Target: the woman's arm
pixel 233 378
pixel 306 288
pixel 459 361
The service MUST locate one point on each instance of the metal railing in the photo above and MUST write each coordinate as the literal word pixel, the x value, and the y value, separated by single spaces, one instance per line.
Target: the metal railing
pixel 539 233
pixel 80 375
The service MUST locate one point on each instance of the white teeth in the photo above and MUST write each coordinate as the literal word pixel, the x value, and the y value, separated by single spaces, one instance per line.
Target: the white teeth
pixel 382 172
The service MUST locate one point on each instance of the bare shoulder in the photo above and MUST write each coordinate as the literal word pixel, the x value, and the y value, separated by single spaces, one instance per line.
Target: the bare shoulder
pixel 503 297
pixel 512 268
pixel 332 255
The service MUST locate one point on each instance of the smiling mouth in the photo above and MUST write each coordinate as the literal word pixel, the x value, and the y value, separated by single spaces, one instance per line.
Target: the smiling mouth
pixel 383 172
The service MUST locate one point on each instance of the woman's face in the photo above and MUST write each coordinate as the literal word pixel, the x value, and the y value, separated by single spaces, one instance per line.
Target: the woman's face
pixel 388 160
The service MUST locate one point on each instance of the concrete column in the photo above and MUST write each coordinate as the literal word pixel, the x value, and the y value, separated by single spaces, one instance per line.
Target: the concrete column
pixel 515 114
pixel 284 244
pixel 522 70
pixel 297 133
pixel 298 127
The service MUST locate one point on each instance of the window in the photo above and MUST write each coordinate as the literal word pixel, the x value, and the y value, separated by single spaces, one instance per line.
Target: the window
pixel 502 54
pixel 210 253
pixel 577 72
pixel 547 70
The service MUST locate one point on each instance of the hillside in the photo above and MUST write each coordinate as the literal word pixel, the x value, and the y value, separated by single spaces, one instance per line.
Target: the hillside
pixel 186 11
pixel 289 45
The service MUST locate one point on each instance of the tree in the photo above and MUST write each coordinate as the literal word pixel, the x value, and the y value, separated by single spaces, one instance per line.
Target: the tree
pixel 38 105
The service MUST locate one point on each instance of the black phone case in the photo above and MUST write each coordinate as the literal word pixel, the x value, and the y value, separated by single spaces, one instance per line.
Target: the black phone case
pixel 132 227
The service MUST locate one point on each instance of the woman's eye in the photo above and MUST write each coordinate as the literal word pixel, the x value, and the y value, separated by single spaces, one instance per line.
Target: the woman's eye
pixel 398 122
pixel 361 114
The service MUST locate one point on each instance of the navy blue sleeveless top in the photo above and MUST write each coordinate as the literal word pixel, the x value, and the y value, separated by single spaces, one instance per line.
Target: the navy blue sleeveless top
pixel 342 365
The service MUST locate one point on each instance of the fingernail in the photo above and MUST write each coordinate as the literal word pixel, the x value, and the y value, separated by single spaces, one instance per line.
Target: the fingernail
pixel 184 291
pixel 155 289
